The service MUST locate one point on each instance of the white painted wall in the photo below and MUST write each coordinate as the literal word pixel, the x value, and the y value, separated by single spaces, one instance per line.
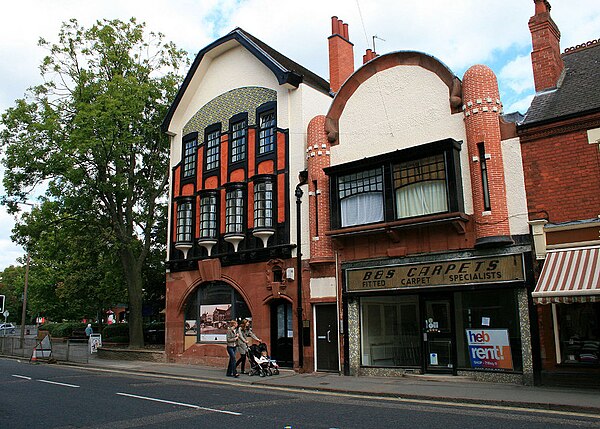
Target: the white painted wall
pixel 399 108
pixel 323 287
pixel 516 197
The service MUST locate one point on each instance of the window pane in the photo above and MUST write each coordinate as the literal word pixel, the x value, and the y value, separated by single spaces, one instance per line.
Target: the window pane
pixel 184 222
pixel 420 187
pixel 212 150
pixel 263 205
pixel 189 158
pixel 238 141
pixel 208 217
pixel 390 331
pixel 266 133
pixel 234 215
pixel 361 197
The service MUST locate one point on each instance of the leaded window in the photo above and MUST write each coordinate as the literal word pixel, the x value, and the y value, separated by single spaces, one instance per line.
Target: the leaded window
pixel 238 141
pixel 184 222
pixel 213 144
pixel 361 197
pixel 266 132
pixel 263 204
pixel 208 216
pixel 189 158
pixel 234 212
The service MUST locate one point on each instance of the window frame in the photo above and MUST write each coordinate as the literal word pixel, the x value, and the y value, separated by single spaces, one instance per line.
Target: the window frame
pixel 263 180
pixel 187 225
pixel 189 158
pixel 236 120
pixel 240 211
pixel 208 131
pixel 449 147
pixel 215 215
pixel 263 110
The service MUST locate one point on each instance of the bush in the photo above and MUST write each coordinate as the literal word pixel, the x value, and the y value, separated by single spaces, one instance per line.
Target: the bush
pixel 63 329
pixel 116 333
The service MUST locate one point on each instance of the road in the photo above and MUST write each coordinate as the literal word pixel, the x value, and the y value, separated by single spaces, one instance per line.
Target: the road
pixel 54 396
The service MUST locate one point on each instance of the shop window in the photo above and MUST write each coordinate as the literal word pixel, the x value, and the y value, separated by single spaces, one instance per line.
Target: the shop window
pixel 210 308
pixel 390 335
pixel 579 333
pixel 487 310
pixel 420 187
pixel 361 197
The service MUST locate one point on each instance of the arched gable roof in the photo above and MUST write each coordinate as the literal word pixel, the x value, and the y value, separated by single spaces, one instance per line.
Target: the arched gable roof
pixel 285 70
pixel 384 62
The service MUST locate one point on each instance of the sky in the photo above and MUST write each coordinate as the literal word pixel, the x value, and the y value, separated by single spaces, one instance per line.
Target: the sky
pixel 459 33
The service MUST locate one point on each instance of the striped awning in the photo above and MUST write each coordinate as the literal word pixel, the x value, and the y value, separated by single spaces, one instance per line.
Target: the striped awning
pixel 569 275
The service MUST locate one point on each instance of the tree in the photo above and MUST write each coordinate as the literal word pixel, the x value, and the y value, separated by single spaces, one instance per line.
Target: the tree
pixel 91 133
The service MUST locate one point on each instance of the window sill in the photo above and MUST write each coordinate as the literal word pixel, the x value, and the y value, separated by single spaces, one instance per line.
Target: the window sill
pixel 456 219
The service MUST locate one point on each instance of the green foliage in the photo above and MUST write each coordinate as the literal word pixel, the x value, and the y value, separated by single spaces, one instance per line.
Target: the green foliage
pixel 62 330
pixel 116 333
pixel 91 134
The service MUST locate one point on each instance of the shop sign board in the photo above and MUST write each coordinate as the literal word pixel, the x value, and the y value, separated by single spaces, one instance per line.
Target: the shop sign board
pixel 489 349
pixel 497 269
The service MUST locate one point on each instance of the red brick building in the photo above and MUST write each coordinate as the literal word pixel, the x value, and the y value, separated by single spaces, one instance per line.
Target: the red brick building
pixel 560 138
pixel 419 242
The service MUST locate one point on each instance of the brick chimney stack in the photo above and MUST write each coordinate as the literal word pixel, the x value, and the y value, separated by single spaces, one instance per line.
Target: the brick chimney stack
pixel 341 54
pixel 545 58
pixel 369 55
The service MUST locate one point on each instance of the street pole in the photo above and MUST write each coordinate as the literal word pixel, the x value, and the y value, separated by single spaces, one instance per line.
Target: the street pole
pixel 302 178
pixel 24 310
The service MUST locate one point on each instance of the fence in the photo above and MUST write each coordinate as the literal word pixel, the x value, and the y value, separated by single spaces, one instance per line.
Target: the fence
pixel 64 350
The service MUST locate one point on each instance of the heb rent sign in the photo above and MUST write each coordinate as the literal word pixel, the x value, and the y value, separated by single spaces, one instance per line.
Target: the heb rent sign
pixel 446 273
pixel 489 348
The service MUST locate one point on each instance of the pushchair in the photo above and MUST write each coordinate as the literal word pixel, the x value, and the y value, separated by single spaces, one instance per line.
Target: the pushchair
pixel 260 362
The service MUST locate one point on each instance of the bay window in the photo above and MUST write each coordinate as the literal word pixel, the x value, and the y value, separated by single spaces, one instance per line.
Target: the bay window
pixel 361 197
pixel 263 204
pixel 208 216
pixel 234 211
pixel 184 222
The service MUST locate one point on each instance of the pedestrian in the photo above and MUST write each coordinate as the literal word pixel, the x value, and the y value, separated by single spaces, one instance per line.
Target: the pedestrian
pixel 244 334
pixel 89 330
pixel 232 337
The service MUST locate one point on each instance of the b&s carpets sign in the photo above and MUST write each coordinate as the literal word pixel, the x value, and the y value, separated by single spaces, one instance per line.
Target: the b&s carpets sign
pixel 498 269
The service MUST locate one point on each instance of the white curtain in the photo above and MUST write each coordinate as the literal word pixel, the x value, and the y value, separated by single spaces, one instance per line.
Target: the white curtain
pixel 361 209
pixel 421 198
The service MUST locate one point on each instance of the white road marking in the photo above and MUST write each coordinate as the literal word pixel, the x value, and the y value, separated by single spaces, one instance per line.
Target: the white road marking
pixel 179 403
pixel 21 376
pixel 58 384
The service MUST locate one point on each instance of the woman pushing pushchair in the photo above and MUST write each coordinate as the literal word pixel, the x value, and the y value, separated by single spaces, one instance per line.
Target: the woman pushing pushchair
pixel 244 332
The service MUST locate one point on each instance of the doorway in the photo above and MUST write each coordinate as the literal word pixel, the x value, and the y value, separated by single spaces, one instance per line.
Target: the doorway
pixel 438 335
pixel 326 327
pixel 282 333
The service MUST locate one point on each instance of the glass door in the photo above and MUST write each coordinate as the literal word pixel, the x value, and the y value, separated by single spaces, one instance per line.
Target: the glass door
pixel 438 336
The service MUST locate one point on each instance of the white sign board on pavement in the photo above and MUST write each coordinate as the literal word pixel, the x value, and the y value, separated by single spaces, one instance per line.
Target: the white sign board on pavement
pixel 94 342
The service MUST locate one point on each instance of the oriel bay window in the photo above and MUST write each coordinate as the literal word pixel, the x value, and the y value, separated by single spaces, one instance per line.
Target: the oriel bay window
pixel 412 183
pixel 234 215
pixel 263 209
pixel 208 221
pixel 184 230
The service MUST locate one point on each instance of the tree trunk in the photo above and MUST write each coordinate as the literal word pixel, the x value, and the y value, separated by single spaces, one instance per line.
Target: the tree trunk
pixel 133 274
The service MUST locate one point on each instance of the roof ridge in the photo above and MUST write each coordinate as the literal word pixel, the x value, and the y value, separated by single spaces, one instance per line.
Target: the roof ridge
pixel 582 46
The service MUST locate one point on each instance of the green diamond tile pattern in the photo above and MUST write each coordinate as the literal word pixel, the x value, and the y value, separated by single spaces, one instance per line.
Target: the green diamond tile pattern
pixel 226 105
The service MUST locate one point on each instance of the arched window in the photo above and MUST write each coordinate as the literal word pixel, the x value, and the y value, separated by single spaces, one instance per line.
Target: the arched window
pixel 209 308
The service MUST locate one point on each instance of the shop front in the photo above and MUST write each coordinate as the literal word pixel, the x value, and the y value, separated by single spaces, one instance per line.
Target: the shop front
pixel 461 315
pixel 567 295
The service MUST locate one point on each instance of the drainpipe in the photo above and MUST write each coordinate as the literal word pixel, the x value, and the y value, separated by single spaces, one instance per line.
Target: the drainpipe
pixel 302 179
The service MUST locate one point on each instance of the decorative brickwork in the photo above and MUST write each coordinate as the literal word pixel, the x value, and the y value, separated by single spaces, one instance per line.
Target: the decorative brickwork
pixel 482 108
pixel 222 108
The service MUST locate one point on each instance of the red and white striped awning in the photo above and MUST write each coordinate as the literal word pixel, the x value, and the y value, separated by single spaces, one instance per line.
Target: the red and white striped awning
pixel 569 275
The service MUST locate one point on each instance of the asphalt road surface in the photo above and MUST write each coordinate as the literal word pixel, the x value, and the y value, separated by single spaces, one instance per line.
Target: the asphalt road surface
pixel 54 396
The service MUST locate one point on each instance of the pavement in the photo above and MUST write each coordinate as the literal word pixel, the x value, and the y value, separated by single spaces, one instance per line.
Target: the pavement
pixel 440 389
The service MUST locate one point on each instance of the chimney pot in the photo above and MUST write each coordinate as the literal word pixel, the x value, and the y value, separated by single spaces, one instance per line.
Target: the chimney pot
pixel 334 24
pixel 345 34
